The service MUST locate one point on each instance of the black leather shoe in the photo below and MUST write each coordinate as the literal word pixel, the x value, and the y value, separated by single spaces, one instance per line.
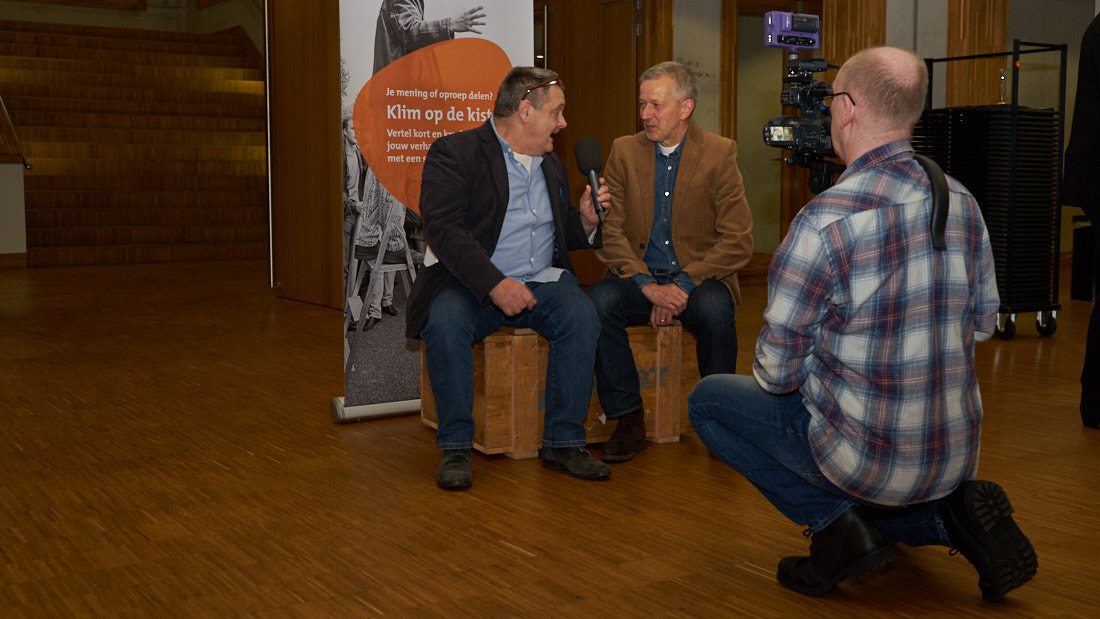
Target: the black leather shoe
pixel 370 323
pixel 850 546
pixel 576 460
pixel 627 439
pixel 978 520
pixel 389 310
pixel 454 470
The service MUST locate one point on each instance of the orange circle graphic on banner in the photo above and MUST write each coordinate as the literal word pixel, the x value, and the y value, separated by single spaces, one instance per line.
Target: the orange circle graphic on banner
pixel 439 89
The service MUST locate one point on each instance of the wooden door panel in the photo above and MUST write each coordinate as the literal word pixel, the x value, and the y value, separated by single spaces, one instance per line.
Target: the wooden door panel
pixel 592 46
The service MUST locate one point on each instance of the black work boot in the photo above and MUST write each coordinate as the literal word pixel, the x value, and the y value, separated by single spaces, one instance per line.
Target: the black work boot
pixel 978 520
pixel 627 439
pixel 850 546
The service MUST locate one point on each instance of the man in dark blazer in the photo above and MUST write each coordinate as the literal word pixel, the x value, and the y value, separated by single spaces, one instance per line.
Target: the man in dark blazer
pixel 677 233
pixel 497 215
pixel 1079 188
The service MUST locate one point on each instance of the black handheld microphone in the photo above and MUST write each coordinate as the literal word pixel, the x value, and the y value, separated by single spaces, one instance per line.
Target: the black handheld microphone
pixel 590 160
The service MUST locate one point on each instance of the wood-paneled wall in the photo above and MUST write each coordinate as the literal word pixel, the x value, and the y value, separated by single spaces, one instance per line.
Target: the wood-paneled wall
pixel 600 103
pixel 146 146
pixel 137 5
pixel 9 144
pixel 655 44
pixel 727 87
pixel 848 26
pixel 976 27
pixel 306 164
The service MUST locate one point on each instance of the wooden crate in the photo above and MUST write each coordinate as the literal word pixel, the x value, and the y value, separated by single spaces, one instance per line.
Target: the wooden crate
pixel 506 412
pixel 509 386
pixel 658 359
pixel 689 376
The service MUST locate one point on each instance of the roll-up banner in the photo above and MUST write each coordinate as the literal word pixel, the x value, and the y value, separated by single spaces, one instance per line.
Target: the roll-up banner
pixel 411 71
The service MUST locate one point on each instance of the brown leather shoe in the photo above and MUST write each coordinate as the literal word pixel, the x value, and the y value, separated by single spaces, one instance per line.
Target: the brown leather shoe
pixel 850 546
pixel 627 439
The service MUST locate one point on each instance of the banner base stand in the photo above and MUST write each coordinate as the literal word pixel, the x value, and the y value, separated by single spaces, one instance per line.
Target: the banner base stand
pixel 368 411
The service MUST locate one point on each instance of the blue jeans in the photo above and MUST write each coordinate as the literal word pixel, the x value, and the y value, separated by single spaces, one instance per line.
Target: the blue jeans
pixel 562 314
pixel 763 436
pixel 621 304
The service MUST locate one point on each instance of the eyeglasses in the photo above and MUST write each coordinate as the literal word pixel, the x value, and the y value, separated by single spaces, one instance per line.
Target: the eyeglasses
pixel 528 91
pixel 845 93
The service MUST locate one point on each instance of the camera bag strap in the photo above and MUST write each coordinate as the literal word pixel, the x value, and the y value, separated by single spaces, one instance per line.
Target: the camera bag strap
pixel 941 199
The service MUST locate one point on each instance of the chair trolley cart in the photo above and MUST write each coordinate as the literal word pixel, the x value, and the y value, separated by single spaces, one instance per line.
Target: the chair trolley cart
pixel 1010 158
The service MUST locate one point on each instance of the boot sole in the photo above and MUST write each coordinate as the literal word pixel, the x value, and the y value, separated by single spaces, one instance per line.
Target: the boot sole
pixel 865 565
pixel 872 562
pixel 559 466
pixel 1001 553
pixel 453 485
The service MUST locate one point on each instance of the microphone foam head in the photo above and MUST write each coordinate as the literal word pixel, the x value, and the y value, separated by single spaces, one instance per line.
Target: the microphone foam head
pixel 587 152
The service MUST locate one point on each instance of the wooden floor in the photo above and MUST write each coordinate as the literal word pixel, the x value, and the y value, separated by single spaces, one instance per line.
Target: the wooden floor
pixel 166 450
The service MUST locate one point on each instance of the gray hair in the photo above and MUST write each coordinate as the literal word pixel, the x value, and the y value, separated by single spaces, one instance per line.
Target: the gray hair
pixel 687 87
pixel 520 81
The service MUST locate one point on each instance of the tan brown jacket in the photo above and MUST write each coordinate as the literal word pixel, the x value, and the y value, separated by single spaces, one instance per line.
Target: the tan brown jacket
pixel 711 221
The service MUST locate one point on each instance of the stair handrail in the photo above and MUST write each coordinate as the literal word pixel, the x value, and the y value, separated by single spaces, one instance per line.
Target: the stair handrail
pixel 14 133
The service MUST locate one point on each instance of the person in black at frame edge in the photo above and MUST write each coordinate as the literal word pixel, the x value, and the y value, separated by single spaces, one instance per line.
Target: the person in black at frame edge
pixel 1079 189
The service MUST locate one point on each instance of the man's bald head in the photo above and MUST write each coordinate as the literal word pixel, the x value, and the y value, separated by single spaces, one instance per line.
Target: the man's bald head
pixel 889 83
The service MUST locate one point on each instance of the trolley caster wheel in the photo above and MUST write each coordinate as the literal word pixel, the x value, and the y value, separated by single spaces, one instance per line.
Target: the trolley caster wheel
pixel 1008 330
pixel 1047 329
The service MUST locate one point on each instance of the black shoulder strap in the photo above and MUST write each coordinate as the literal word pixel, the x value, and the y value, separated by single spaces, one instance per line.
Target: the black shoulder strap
pixel 941 199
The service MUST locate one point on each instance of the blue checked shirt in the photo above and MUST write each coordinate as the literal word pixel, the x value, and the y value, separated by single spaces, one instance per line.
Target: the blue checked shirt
pixel 525 248
pixel 660 255
pixel 876 330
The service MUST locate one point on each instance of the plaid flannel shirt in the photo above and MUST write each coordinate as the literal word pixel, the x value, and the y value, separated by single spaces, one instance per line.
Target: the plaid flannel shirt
pixel 876 329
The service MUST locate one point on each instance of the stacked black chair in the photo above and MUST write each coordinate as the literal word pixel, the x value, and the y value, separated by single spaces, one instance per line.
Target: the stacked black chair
pixel 1008 157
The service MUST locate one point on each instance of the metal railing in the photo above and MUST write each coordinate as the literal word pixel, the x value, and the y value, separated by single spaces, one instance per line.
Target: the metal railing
pixel 18 144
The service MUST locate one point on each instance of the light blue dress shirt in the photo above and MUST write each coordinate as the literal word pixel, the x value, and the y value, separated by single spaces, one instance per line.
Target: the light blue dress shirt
pixel 525 248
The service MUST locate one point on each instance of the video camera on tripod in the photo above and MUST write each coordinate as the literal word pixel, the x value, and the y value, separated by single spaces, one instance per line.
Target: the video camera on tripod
pixel 808 135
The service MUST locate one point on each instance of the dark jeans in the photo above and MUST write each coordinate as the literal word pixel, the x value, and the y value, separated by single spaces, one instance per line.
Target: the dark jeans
pixel 1090 373
pixel 563 315
pixel 620 304
pixel 763 436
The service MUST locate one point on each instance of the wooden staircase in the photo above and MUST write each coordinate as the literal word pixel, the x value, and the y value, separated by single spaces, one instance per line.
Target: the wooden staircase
pixel 146 146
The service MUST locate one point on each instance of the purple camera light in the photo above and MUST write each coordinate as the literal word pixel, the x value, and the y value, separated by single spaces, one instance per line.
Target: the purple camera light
pixel 791 31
